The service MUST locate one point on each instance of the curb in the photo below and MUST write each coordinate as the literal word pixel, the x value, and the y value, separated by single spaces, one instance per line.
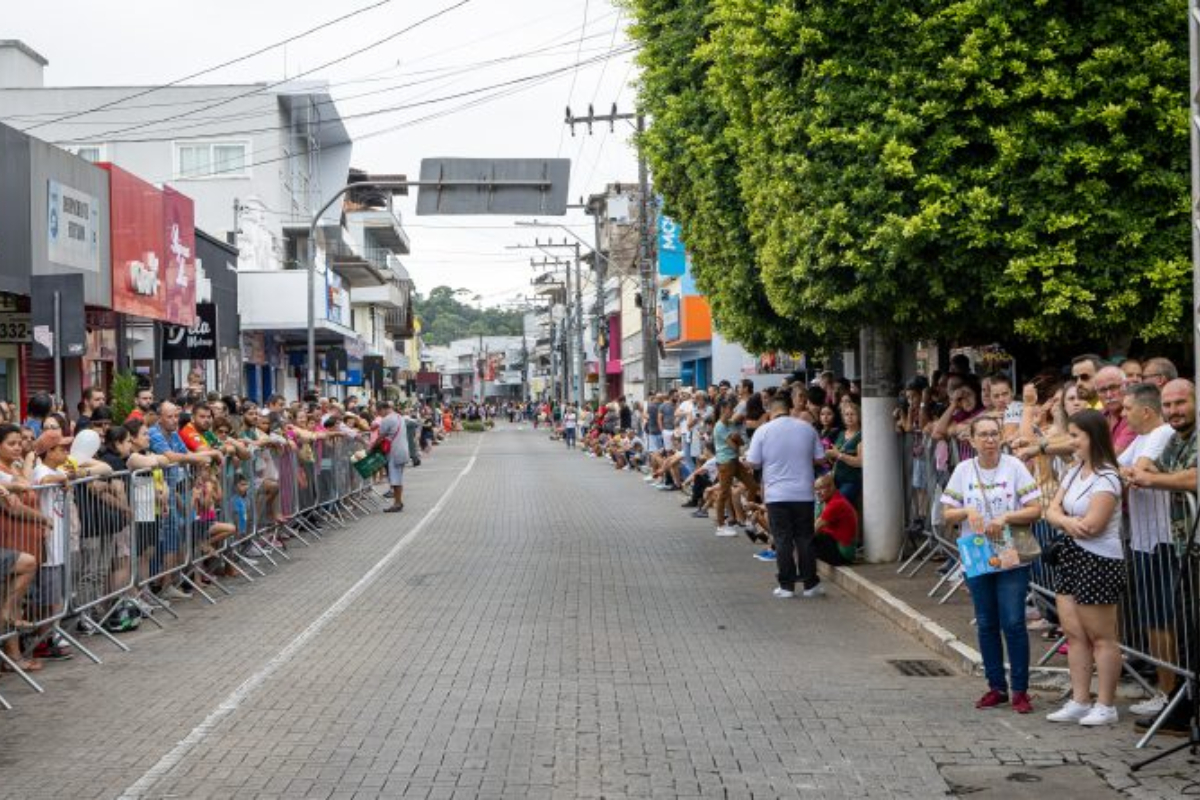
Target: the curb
pixel 962 657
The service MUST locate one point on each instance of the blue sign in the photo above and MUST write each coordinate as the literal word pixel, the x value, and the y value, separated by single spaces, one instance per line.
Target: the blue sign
pixel 672 260
pixel 671 321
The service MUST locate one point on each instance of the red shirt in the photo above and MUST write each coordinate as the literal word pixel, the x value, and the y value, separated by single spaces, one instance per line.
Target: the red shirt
pixel 191 437
pixel 841 520
pixel 136 414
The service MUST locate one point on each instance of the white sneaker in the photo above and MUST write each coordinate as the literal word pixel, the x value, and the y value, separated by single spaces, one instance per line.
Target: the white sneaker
pixel 782 594
pixel 253 551
pixel 816 591
pixel 1100 715
pixel 248 560
pixel 173 592
pixel 1070 712
pixel 648 478
pixel 1152 707
pixel 727 530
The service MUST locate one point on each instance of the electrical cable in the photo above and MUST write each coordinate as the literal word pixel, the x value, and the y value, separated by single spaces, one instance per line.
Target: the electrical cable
pixel 107 135
pixel 239 59
pixel 591 60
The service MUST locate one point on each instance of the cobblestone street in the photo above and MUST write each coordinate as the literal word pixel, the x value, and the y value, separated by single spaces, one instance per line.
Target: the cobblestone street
pixel 548 628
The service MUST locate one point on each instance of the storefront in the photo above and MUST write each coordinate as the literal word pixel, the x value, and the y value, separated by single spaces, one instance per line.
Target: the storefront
pixel 153 267
pixel 54 221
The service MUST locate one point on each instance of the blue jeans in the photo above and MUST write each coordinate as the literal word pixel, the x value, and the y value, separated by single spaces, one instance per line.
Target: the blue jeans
pixel 999 599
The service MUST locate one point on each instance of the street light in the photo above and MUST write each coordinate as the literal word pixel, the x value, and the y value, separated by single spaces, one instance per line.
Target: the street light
pixel 396 187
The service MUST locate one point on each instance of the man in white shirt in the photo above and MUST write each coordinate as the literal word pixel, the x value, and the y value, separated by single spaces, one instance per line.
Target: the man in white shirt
pixel 788 450
pixel 1153 554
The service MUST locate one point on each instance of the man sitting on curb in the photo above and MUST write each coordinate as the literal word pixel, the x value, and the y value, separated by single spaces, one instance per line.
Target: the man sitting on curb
pixel 836 525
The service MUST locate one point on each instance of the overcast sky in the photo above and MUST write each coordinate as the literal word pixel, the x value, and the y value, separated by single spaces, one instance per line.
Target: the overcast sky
pixel 146 42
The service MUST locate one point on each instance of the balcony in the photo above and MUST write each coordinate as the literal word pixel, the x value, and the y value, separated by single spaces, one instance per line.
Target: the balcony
pixel 398 322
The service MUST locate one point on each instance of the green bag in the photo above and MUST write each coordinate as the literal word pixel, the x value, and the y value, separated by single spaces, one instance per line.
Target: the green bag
pixel 371 463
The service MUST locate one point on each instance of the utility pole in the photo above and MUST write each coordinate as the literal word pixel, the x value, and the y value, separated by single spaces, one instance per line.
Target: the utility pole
pixel 574 317
pixel 646 266
pixel 603 345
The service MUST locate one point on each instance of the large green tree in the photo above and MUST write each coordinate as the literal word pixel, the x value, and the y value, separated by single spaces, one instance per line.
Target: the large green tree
pixel 973 169
pixel 694 161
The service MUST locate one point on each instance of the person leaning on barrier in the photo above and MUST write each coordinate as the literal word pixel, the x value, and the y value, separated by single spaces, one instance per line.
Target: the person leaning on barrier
pixel 1091 576
pixel 1175 471
pixel 1150 545
pixel 985 495
pixel 23 530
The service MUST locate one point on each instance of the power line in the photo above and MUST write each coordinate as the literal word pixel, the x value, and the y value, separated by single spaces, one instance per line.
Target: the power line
pixel 571 91
pixel 106 135
pixel 373 112
pixel 505 92
pixel 222 65
pixel 443 75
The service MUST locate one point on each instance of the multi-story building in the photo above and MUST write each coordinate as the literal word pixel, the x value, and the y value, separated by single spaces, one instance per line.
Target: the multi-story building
pixel 258 160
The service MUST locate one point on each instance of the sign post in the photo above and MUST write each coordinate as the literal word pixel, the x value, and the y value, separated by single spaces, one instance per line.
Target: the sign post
pixel 59 331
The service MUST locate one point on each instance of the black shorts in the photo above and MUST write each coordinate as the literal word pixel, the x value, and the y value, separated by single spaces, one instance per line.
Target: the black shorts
pixel 1091 579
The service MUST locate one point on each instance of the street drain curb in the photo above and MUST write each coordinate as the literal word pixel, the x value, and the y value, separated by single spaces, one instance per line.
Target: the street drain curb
pixel 961 656
pixel 964 658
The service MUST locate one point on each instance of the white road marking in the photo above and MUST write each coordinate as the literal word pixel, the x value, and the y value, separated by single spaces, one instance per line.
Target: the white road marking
pixel 141 787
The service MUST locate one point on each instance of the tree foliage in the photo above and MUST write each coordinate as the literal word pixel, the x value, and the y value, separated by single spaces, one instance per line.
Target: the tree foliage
pixel 444 319
pixel 969 168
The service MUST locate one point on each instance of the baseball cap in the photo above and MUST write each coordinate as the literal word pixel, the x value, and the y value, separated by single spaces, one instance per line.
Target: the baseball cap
pixel 50 440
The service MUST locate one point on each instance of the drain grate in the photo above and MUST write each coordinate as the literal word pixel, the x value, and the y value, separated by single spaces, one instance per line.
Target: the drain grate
pixel 921 668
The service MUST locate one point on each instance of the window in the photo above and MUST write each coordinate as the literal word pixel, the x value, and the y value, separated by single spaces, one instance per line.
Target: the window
pixel 88 152
pixel 212 160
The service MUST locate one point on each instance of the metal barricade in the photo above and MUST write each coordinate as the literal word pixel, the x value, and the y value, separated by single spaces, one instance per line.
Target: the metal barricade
pixel 103 573
pixel 82 549
pixel 1156 615
pixel 163 532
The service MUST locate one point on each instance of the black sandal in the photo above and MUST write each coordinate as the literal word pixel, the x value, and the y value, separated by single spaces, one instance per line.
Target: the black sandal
pixel 394 509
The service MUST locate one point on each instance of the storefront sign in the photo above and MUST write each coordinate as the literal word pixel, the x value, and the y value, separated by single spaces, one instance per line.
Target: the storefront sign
pixel 672 261
pixel 198 342
pixel 337 299
pixel 15 328
pixel 179 232
pixel 137 246
pixel 73 227
pixel 670 315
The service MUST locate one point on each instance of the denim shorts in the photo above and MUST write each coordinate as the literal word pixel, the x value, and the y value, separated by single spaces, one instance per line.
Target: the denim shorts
pixel 170 534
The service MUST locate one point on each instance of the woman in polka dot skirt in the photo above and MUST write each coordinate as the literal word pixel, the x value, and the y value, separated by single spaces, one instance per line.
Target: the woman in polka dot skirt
pixel 1091 570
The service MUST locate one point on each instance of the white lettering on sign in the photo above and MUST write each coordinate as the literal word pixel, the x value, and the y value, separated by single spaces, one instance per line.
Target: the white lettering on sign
pixel 199 335
pixel 670 234
pixel 143 275
pixel 180 255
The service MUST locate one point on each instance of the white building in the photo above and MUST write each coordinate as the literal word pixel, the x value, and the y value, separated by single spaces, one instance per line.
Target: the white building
pixel 258 160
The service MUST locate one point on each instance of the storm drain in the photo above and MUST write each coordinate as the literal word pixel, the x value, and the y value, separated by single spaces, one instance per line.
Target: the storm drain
pixel 920 668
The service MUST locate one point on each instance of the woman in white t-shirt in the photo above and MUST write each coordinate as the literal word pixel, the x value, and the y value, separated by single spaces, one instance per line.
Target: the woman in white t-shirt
pixel 985 495
pixel 1091 569
pixel 570 420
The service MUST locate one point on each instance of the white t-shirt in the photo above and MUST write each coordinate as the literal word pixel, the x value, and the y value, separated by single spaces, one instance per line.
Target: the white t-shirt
pixel 52 501
pixel 683 415
pixel 786 448
pixel 991 492
pixel 569 420
pixel 710 467
pixel 1149 509
pixel 1079 494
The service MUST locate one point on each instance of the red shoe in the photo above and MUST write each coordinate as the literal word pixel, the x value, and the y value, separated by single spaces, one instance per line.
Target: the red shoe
pixel 1021 703
pixel 992 699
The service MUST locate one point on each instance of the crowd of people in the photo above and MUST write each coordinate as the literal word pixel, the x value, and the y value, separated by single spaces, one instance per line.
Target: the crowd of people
pixel 1079 487
pixel 104 521
pixel 781 466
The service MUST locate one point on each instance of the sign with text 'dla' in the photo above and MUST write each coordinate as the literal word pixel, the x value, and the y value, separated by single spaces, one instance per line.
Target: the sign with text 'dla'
pixel 197 342
pixel 512 186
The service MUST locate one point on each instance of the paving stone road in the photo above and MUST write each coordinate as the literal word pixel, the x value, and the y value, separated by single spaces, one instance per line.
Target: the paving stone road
pixel 555 629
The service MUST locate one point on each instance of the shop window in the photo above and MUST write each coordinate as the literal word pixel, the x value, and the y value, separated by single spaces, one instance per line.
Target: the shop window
pixel 212 160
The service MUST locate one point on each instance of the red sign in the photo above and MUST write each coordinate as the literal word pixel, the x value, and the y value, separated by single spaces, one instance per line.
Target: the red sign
pixel 153 250
pixel 179 230
pixel 137 246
